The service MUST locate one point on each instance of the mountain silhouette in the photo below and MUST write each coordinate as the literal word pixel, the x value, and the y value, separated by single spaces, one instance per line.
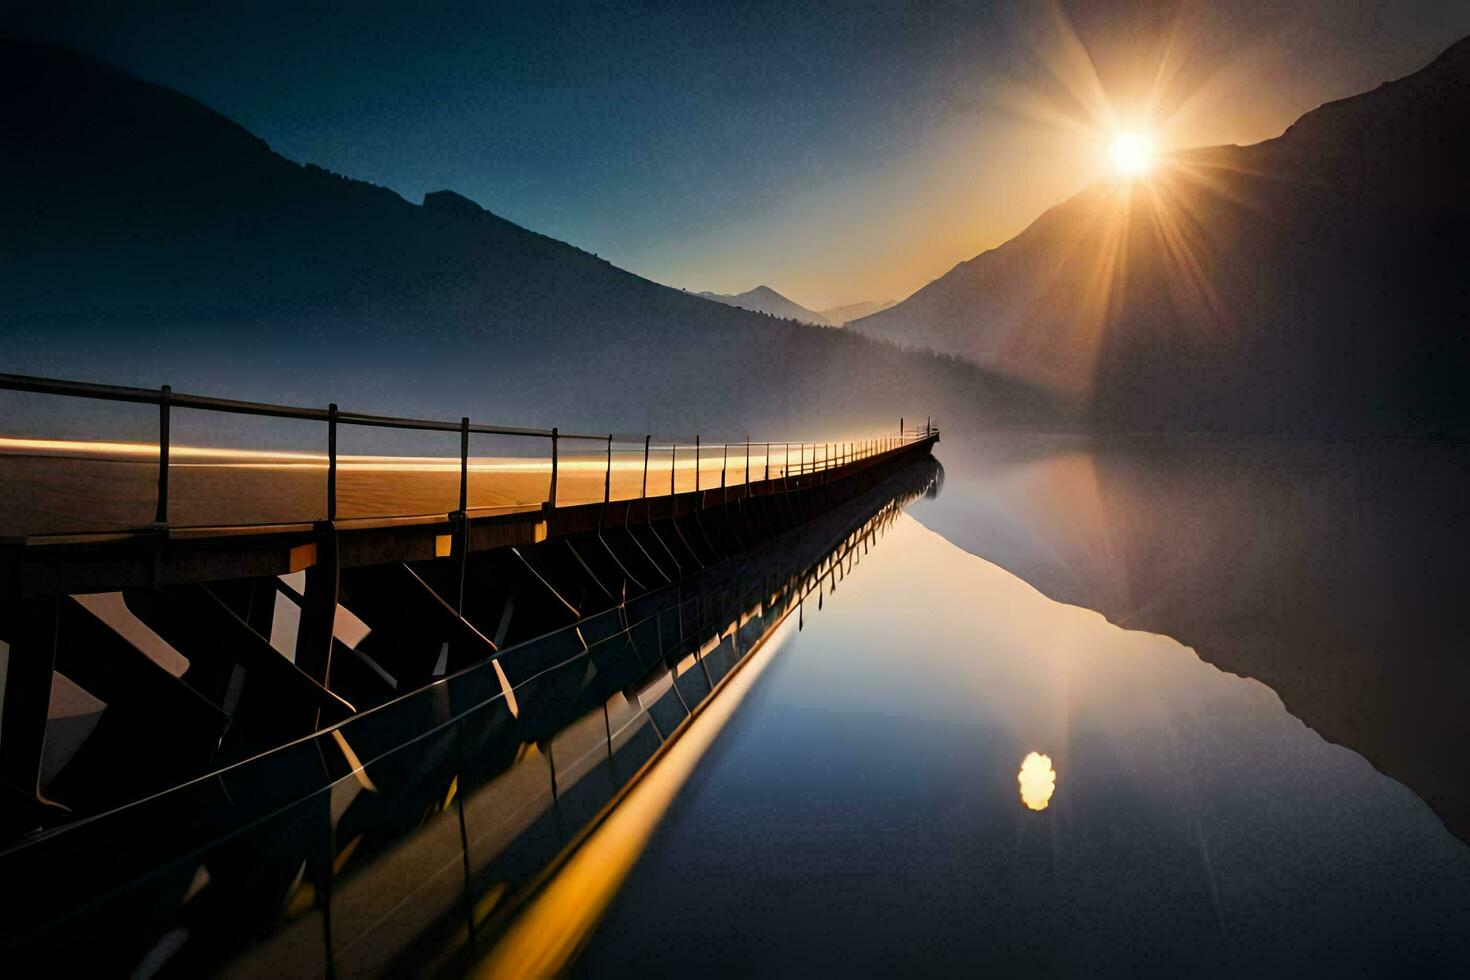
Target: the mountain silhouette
pixel 764 299
pixel 1316 282
pixel 148 239
pixel 842 315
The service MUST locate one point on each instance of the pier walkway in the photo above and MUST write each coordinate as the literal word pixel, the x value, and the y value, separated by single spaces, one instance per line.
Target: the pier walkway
pixel 166 610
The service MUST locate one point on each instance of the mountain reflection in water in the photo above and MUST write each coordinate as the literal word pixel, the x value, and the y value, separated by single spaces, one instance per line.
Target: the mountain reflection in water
pixel 1332 572
pixel 859 814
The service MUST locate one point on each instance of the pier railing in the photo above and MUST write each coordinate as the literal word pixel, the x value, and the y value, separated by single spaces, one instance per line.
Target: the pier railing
pixel 766 458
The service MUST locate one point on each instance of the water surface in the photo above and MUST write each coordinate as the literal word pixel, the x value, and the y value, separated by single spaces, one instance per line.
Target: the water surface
pixel 871 809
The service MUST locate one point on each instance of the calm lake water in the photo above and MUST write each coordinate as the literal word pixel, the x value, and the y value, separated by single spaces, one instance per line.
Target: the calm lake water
pixel 878 805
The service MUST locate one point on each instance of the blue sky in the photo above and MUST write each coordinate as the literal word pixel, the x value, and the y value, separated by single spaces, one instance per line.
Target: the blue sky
pixel 837 152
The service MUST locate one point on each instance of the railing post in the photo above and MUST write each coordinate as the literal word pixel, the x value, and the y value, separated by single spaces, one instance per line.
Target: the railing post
pixel 607 479
pixel 165 395
pixel 673 458
pixel 462 545
pixel 464 464
pixel 647 443
pixel 747 466
pixel 724 462
pixel 332 461
pixel 555 450
pixel 768 462
pixel 696 462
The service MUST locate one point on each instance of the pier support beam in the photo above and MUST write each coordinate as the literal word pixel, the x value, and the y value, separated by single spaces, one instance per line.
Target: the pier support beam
pixel 319 608
pixel 31 659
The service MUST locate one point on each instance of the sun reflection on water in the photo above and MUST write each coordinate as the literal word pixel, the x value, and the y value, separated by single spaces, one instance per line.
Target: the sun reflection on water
pixel 1038 780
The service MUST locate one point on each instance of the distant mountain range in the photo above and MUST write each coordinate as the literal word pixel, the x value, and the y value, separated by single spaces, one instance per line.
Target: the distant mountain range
pixel 1316 282
pixel 841 315
pixel 147 239
pixel 764 299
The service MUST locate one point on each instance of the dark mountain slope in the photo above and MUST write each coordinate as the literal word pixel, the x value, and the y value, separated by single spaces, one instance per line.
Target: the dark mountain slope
pixel 149 239
pixel 1316 282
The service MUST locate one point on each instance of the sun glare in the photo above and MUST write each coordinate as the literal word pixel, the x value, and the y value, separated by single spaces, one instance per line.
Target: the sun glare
pixel 1132 154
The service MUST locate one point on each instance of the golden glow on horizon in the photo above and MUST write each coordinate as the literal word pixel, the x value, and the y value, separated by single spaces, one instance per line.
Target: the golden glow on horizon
pixel 595 462
pixel 148 450
pixel 1038 781
pixel 1132 154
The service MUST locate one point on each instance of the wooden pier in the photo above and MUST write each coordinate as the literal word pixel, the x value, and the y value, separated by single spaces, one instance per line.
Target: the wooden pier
pixel 186 648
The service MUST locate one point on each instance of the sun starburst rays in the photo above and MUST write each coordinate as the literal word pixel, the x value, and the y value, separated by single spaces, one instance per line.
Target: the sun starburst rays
pixel 1147 253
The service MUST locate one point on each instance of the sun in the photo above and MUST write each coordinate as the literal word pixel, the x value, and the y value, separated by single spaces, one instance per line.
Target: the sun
pixel 1132 154
pixel 1038 780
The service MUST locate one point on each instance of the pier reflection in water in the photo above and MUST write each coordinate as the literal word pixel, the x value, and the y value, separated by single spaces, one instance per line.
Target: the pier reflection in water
pixel 860 813
pixel 398 840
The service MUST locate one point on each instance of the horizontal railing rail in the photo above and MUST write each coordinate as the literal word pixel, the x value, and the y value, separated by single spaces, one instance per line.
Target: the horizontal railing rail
pixel 797 458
